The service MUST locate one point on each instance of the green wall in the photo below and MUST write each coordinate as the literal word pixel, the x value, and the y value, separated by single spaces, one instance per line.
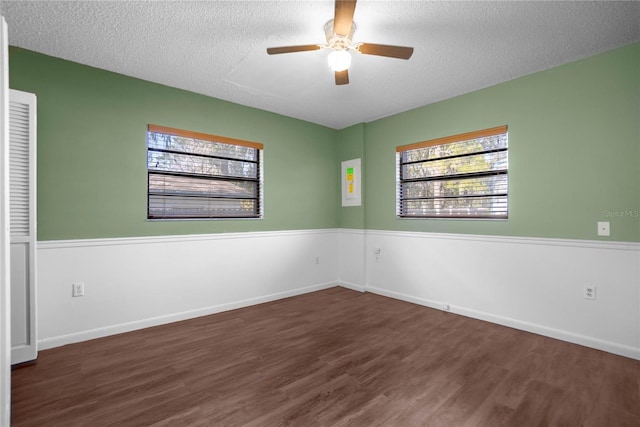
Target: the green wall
pixel 574 152
pixel 92 153
pixel 351 145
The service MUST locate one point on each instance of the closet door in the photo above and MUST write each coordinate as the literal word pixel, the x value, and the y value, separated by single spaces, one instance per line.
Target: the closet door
pixel 22 208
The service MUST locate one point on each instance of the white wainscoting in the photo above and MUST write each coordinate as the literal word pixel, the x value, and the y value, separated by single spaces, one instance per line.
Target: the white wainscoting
pixel 352 260
pixel 526 283
pixel 132 283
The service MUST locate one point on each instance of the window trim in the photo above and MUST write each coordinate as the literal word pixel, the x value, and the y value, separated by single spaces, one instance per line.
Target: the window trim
pixel 203 136
pixel 467 136
pixel 151 128
pixel 455 138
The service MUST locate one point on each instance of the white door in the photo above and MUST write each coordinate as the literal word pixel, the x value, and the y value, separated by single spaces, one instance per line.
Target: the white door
pixel 22 207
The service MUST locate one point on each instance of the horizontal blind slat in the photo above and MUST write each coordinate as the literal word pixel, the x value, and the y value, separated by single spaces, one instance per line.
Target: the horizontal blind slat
pixel 19 185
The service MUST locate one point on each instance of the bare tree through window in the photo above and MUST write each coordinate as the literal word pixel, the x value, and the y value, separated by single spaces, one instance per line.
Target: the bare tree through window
pixel 193 175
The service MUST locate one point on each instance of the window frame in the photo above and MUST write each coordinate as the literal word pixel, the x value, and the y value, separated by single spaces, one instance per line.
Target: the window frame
pixel 488 173
pixel 258 212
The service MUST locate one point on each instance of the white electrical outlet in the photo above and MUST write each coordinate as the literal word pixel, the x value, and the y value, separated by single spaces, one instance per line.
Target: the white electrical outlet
pixel 604 228
pixel 78 290
pixel 589 292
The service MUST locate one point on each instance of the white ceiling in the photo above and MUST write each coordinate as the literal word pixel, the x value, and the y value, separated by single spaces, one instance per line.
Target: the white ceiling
pixel 218 48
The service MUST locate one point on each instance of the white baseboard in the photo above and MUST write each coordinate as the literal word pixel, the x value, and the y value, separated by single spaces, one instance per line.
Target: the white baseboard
pixel 586 341
pixel 58 341
pixel 352 286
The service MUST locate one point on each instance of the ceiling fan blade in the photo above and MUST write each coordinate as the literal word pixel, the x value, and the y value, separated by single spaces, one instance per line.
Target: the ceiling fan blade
pixel 400 52
pixel 342 77
pixel 289 49
pixel 343 16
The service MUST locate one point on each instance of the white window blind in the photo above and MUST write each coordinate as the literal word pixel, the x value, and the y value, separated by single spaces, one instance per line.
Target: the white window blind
pixel 461 176
pixel 198 176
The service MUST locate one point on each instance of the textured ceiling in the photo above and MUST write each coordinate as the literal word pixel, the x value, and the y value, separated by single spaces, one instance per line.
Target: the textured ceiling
pixel 218 48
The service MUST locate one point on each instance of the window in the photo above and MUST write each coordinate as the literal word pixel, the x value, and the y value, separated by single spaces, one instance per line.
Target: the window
pixel 197 176
pixel 460 176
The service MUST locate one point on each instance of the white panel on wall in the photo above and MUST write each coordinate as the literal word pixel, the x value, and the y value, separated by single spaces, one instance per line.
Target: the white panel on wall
pixel 351 182
pixel 531 284
pixel 351 260
pixel 139 282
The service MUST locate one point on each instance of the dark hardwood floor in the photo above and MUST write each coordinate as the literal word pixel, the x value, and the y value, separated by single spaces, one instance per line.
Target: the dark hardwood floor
pixel 330 358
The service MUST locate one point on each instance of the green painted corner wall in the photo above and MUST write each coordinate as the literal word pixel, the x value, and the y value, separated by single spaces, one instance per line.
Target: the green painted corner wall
pixel 92 153
pixel 574 151
pixel 351 145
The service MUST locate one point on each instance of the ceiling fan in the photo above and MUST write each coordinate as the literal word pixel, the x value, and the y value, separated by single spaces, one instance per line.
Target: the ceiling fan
pixel 339 33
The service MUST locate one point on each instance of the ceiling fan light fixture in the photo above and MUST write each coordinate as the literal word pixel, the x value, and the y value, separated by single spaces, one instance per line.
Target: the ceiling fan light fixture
pixel 339 60
pixel 340 43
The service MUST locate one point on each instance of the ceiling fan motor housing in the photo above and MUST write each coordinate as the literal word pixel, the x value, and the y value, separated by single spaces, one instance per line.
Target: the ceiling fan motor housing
pixel 338 41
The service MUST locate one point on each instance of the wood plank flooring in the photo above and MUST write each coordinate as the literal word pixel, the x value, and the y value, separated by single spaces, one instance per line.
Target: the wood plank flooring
pixel 329 358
